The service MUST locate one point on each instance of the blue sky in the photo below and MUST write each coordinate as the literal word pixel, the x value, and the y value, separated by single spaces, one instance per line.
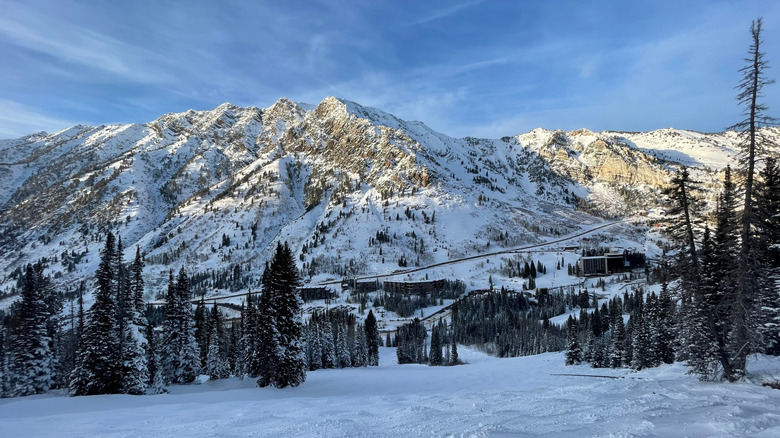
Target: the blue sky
pixel 479 68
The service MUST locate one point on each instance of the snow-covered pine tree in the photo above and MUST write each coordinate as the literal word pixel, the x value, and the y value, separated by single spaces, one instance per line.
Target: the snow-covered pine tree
pixel 313 348
pixel 202 330
pixel 216 364
pixel 181 359
pixel 156 383
pixel 135 372
pixel 372 339
pixel 5 366
pixel 652 322
pixel 435 357
pixel 617 352
pixel 454 359
pixel 343 352
pixel 33 359
pixel 288 367
pixel 768 215
pixel 574 350
pixel 351 339
pixel 265 351
pixel 98 362
pixel 327 342
pixel 360 350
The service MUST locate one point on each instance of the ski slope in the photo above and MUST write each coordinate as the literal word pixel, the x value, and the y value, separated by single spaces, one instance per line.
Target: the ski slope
pixel 485 397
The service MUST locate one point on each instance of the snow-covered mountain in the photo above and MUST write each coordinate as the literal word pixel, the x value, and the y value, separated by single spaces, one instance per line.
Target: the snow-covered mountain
pixel 354 190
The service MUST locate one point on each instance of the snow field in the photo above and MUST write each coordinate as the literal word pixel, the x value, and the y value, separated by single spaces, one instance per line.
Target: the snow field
pixel 485 397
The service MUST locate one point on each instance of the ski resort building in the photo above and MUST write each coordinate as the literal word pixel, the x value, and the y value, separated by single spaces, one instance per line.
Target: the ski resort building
pixel 608 263
pixel 413 287
pixel 311 293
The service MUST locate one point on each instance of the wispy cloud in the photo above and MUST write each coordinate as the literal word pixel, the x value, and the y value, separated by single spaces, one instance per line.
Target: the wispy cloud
pixel 445 12
pixel 17 120
pixel 86 47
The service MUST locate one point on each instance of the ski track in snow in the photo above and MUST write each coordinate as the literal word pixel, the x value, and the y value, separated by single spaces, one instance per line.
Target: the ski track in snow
pixel 487 397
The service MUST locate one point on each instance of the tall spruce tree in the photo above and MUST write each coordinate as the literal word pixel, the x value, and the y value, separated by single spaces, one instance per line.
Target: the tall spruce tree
pixel 181 358
pixel 768 214
pixel 372 339
pixel 287 361
pixel 33 361
pixel 99 361
pixel 132 325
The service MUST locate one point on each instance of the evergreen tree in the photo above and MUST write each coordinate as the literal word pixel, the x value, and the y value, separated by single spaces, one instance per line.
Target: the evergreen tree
pixel 202 331
pixel 617 352
pixel 574 354
pixel 5 366
pixel 156 383
pixel 313 345
pixel 327 342
pixel 768 243
pixel 435 356
pixel 181 358
pixel 360 350
pixel 681 193
pixel 343 355
pixel 743 337
pixel 251 342
pixel 454 359
pixel 33 360
pixel 132 323
pixel 216 364
pixel 372 339
pixel 286 362
pixel 99 361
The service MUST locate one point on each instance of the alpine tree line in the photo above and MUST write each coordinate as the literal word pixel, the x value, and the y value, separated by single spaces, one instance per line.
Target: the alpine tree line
pixel 334 339
pixel 503 322
pixel 120 346
pixel 603 338
pixel 725 299
pixel 729 272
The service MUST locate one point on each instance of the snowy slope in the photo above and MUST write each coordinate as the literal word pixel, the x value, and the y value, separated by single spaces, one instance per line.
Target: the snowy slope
pixel 485 397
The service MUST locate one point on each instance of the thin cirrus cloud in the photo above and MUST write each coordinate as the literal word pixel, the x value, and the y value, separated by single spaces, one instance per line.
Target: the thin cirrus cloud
pixel 83 46
pixel 17 120
pixel 467 68
pixel 444 12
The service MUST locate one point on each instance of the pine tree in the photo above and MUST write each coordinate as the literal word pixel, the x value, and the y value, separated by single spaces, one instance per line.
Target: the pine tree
pixel 343 356
pixel 313 345
pixel 216 364
pixel 372 339
pixel 156 383
pixel 287 362
pixel 743 335
pixel 574 354
pixel 132 322
pixel 328 344
pixel 682 193
pixel 99 362
pixel 768 214
pixel 435 357
pixel 202 330
pixel 33 360
pixel 181 358
pixel 617 353
pixel 454 359
pixel 360 351
pixel 5 366
pixel 251 342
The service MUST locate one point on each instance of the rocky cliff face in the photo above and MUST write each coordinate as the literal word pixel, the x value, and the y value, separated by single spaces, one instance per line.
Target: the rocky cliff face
pixel 353 189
